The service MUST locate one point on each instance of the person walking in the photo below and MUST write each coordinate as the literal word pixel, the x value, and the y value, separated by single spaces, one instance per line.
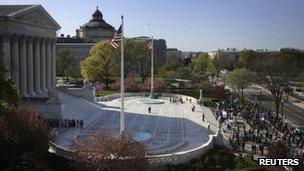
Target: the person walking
pixel 208 125
pixel 203 117
pixel 149 109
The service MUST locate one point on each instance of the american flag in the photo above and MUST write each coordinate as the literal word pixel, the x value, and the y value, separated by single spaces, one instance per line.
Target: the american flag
pixel 116 39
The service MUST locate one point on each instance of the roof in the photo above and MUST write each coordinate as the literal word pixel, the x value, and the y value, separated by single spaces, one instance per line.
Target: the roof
pixel 9 10
pixel 97 21
pixel 14 11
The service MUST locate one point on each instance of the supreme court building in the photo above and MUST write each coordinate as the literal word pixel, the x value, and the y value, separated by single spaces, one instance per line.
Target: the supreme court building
pixel 28 42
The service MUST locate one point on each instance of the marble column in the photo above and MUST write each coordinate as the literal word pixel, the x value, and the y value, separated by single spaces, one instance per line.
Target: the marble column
pixel 30 66
pixel 43 65
pixel 7 53
pixel 23 70
pixel 48 65
pixel 37 69
pixel 15 60
pixel 53 72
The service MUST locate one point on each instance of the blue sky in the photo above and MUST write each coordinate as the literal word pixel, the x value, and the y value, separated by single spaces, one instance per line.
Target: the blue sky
pixel 196 25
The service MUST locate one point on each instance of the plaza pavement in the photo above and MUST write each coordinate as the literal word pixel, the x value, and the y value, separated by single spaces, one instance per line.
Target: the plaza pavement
pixel 174 127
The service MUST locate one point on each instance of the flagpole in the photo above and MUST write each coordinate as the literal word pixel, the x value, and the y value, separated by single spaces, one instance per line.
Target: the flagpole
pixel 122 84
pixel 152 69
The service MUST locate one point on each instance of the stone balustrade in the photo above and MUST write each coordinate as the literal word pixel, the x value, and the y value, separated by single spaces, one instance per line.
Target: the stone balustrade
pixel 156 160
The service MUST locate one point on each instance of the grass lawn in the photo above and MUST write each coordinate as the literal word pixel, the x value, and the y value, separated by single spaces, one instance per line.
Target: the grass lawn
pixel 106 92
pixel 208 99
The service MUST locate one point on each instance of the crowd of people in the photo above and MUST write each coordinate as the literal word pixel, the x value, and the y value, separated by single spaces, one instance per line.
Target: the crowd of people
pixel 266 126
pixel 176 100
pixel 67 123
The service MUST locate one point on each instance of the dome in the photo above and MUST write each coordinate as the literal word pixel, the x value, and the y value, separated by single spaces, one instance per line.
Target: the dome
pixel 97 15
pixel 97 21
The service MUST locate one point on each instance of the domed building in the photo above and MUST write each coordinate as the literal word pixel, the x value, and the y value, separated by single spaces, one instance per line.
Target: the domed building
pixel 87 35
pixel 96 29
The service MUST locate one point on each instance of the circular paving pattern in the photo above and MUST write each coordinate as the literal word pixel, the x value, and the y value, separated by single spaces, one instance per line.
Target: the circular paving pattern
pixel 170 127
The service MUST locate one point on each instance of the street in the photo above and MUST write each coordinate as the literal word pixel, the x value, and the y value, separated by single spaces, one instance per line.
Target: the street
pixel 292 112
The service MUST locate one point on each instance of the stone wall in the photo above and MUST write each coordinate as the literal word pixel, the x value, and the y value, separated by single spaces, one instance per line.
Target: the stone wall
pixel 158 161
pixel 85 93
pixel 142 94
pixel 47 110
pixel 79 50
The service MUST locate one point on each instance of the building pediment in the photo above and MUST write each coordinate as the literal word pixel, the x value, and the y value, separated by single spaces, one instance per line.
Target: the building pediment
pixel 35 15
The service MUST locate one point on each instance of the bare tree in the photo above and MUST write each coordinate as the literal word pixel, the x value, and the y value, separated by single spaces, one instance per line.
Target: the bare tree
pixel 104 152
pixel 24 140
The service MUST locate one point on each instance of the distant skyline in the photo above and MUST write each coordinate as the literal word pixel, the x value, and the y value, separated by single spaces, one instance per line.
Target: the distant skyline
pixel 192 25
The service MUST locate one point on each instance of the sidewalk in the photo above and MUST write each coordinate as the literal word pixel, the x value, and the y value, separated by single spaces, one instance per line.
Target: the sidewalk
pixel 248 145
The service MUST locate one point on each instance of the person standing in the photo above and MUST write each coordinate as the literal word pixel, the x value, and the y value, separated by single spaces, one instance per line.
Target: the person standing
pixel 149 109
pixel 203 117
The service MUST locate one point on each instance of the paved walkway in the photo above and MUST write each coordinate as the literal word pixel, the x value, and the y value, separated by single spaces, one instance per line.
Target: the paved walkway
pixel 248 144
pixel 174 127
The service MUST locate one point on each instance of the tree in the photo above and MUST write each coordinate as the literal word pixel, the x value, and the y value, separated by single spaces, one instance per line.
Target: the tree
pixel 8 92
pixel 184 72
pixel 103 152
pixel 206 86
pixel 104 61
pixel 279 150
pixel 216 65
pixel 201 64
pixel 100 65
pixel 73 71
pixel 171 65
pixel 169 70
pixel 24 140
pixel 246 58
pixel 275 70
pixel 239 79
pixel 158 86
pixel 143 56
pixel 301 77
pixel 137 58
pixel 64 60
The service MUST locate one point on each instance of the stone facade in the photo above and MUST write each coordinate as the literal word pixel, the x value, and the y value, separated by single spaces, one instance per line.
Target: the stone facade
pixel 79 50
pixel 160 48
pixel 97 29
pixel 28 40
